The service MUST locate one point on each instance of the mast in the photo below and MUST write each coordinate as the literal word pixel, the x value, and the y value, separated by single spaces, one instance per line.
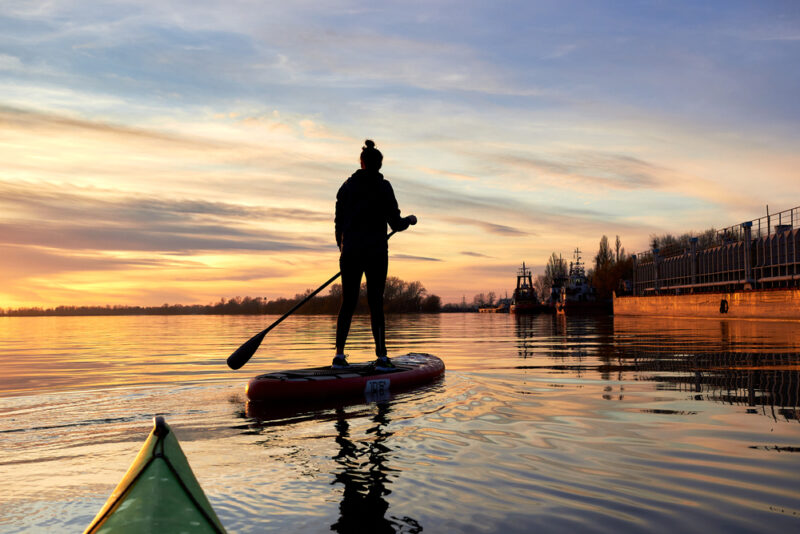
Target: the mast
pixel 524 280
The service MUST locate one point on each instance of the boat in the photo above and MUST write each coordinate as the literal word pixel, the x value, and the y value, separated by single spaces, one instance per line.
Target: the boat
pixel 159 493
pixel 574 294
pixel 502 306
pixel 358 379
pixel 525 299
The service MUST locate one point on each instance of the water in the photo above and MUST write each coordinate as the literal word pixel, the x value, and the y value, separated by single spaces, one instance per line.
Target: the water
pixel 540 424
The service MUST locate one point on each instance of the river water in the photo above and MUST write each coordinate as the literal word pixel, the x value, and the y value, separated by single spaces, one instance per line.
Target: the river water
pixel 546 424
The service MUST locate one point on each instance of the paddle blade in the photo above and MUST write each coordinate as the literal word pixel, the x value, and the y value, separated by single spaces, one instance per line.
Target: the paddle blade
pixel 246 351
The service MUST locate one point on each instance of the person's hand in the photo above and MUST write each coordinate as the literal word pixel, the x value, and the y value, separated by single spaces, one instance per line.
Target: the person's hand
pixel 412 219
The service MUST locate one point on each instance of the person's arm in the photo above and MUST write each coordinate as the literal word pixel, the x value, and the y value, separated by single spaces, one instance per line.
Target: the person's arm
pixel 397 223
pixel 338 220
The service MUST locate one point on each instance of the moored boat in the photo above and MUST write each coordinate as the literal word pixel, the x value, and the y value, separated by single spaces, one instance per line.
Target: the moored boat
pixel 502 306
pixel 574 294
pixel 525 299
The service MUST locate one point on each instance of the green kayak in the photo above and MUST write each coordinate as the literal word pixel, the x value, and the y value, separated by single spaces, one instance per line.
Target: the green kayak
pixel 159 493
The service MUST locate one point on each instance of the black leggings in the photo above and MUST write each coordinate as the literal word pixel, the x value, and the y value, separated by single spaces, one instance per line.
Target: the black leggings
pixel 374 265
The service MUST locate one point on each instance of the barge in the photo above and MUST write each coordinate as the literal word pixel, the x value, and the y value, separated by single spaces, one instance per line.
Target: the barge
pixel 752 270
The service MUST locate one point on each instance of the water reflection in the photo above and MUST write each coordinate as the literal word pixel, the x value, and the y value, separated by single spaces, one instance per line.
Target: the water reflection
pixel 364 473
pixel 727 361
pixel 362 460
pixel 665 334
pixel 769 381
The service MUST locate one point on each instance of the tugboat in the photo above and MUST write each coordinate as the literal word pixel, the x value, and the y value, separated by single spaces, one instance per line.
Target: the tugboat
pixel 573 294
pixel 525 299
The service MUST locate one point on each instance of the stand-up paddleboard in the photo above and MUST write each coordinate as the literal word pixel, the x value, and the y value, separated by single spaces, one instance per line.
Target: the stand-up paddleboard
pixel 159 493
pixel 358 379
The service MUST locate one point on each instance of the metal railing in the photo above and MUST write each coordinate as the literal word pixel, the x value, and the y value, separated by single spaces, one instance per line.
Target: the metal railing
pixel 764 226
pixel 764 252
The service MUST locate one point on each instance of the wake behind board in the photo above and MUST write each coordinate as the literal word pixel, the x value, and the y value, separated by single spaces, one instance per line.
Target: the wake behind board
pixel 412 370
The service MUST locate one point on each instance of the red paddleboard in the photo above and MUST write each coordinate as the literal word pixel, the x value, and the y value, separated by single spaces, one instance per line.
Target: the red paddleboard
pixel 411 370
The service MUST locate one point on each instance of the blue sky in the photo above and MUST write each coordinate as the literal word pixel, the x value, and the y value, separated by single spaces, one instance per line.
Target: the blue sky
pixel 185 151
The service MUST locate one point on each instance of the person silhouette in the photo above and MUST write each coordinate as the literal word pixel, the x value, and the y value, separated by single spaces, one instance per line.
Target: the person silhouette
pixel 365 204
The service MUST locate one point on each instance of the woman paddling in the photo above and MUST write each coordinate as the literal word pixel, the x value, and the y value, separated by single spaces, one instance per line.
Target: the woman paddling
pixel 365 204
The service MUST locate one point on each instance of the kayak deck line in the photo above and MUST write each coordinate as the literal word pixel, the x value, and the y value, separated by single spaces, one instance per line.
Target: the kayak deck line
pixel 187 509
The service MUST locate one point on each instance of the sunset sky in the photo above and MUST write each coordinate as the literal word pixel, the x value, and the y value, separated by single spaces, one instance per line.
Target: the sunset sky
pixel 182 152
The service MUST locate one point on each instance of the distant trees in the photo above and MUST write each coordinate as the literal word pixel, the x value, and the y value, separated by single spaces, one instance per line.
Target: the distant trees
pixel 463 306
pixel 483 300
pixel 399 297
pixel 604 255
pixel 541 287
pixel 431 304
pixel 556 269
pixel 619 250
pixel 406 297
pixel 610 267
pixel 705 239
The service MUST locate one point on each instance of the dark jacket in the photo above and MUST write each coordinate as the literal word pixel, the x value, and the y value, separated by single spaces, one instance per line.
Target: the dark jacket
pixel 365 204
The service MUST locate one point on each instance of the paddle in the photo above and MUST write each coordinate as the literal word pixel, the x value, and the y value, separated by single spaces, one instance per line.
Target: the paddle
pixel 246 351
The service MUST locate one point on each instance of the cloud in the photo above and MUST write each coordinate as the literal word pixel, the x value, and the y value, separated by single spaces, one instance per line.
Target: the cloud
pixel 361 56
pixel 178 239
pixel 8 62
pixel 414 258
pixel 592 169
pixel 92 219
pixel 449 174
pixel 474 254
pixel 221 160
pixel 314 130
pixel 500 271
pixel 499 205
pixel 492 228
pixel 25 261
pixel 64 202
pixel 45 122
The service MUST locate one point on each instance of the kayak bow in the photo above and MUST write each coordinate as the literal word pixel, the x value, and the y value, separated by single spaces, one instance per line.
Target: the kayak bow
pixel 159 493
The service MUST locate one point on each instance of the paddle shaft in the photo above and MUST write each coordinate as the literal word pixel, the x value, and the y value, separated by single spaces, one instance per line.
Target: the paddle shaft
pixel 296 306
pixel 246 351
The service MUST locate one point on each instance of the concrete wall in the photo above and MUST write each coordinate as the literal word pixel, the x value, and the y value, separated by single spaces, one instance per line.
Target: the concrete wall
pixel 762 304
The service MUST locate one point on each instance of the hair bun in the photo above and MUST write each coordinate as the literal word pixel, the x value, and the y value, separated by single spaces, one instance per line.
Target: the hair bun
pixel 369 143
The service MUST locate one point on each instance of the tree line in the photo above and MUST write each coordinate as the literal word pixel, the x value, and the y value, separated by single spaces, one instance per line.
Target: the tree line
pixel 399 297
pixel 611 268
pixel 705 239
